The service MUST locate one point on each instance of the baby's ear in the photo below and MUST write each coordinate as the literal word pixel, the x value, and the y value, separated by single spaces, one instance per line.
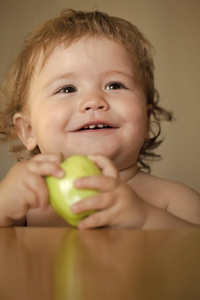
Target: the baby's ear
pixel 149 112
pixel 24 130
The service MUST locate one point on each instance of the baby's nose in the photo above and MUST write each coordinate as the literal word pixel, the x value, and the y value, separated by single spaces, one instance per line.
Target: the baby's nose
pixel 95 103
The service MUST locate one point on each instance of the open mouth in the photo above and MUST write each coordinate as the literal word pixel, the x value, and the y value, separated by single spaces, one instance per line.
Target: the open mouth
pixel 95 127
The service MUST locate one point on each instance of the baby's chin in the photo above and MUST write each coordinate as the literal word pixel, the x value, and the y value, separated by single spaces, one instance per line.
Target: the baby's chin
pixel 88 152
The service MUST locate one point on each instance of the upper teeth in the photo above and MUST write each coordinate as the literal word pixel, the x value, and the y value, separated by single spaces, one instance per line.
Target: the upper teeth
pixel 93 126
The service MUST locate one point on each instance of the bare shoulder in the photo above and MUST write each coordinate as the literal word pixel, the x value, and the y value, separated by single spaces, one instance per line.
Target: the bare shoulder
pixel 174 197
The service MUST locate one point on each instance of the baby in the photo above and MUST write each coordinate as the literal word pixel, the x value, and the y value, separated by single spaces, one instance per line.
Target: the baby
pixel 84 84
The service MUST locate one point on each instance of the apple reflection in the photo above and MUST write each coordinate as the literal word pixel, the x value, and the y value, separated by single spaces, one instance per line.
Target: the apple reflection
pixel 101 264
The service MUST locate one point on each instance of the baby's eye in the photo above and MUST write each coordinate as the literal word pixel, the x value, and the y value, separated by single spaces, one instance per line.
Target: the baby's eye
pixel 67 89
pixel 115 86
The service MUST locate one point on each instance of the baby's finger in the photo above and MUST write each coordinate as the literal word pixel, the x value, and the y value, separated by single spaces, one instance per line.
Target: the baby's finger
pixel 98 219
pixel 101 183
pixel 97 202
pixel 44 168
pixel 105 164
pixel 47 157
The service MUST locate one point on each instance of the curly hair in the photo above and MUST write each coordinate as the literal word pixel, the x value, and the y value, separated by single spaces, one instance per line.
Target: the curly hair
pixel 65 28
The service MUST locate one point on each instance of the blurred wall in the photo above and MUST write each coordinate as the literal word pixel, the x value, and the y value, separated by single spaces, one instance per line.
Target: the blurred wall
pixel 173 28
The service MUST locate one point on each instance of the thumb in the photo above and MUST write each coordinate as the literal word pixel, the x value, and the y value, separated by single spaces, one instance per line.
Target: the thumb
pixel 105 164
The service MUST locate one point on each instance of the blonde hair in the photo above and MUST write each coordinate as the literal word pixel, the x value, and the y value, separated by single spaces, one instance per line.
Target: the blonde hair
pixel 67 27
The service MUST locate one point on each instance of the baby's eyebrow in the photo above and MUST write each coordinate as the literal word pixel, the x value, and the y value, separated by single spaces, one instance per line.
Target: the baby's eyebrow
pixel 59 77
pixel 74 75
pixel 113 72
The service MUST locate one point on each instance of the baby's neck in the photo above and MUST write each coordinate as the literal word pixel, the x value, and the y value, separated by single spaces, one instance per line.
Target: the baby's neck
pixel 128 173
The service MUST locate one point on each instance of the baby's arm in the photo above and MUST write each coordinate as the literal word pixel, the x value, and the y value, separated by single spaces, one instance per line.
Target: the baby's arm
pixel 24 188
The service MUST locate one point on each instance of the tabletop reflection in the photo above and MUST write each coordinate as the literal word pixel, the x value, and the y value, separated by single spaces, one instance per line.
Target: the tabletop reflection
pixel 58 263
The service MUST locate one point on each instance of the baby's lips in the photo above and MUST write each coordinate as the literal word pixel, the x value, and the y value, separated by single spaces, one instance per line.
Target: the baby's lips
pixel 98 124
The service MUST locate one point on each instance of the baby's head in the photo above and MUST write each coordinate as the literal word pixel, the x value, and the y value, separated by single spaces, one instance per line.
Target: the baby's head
pixel 66 28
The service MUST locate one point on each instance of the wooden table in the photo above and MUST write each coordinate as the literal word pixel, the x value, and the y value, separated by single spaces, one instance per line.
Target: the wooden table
pixel 59 263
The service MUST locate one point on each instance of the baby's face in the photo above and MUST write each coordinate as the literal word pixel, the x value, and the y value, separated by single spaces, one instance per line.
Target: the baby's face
pixel 87 100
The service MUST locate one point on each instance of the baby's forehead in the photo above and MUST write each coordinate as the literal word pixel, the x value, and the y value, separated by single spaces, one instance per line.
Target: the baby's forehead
pixel 54 47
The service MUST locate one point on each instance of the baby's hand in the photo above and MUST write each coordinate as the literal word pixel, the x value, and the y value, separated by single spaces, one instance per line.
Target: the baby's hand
pixel 24 187
pixel 117 204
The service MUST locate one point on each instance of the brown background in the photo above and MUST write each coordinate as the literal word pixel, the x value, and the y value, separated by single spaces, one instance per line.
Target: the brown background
pixel 173 28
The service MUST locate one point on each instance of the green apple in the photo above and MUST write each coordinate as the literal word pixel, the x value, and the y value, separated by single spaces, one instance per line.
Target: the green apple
pixel 62 192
